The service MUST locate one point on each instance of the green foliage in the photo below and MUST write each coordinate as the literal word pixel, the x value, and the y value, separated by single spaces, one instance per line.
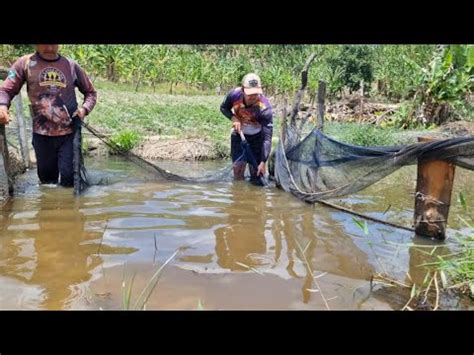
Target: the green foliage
pixel 125 140
pixel 10 53
pixel 404 117
pixel 85 145
pixel 206 67
pixel 451 74
pixel 460 265
pixel 362 134
pixel 150 114
pixel 447 82
pixel 398 69
pixel 438 82
pixel 351 65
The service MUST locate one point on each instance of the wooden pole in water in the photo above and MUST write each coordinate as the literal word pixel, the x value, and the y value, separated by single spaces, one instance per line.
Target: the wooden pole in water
pixel 6 185
pixel 321 95
pixel 433 196
pixel 25 153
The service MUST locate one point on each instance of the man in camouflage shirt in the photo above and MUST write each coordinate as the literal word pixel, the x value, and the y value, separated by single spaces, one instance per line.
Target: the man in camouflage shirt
pixel 51 81
pixel 251 113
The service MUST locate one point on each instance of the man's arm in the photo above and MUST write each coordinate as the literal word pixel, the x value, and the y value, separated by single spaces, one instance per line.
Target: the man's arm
pixel 11 87
pixel 226 106
pixel 226 109
pixel 85 86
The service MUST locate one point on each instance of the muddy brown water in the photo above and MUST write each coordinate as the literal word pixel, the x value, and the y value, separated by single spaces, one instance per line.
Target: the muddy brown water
pixel 240 246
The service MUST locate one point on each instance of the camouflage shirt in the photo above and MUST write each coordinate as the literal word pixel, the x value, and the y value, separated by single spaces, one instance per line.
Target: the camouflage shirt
pixel 51 89
pixel 258 117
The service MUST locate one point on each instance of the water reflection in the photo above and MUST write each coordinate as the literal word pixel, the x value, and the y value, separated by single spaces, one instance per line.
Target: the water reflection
pixel 48 246
pixel 243 234
pixel 54 245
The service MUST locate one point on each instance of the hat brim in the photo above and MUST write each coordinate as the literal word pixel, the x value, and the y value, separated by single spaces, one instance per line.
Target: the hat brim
pixel 253 91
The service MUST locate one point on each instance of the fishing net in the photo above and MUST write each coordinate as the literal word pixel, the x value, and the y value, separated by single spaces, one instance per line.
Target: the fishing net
pixel 222 174
pixel 81 179
pixel 314 167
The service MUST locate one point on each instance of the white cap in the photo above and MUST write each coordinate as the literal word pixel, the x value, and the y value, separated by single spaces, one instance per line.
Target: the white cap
pixel 252 84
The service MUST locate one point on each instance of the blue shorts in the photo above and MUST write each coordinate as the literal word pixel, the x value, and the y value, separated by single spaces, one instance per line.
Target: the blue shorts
pixel 256 145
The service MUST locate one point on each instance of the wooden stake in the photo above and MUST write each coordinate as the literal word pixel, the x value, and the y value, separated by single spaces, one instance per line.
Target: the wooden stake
pixel 433 196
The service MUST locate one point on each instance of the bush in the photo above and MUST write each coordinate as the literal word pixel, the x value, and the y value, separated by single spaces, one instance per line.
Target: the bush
pixel 125 140
pixel 354 64
pixel 365 135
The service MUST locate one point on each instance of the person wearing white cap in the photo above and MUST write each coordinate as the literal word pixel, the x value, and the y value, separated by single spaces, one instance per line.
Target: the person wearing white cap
pixel 251 113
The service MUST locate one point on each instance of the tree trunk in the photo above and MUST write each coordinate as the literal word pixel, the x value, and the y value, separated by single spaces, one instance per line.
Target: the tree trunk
pixel 321 96
pixel 138 81
pixel 111 72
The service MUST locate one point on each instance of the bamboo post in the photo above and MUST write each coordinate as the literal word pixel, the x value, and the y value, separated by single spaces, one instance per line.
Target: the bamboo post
pixel 300 93
pixel 6 185
pixel 433 196
pixel 22 138
pixel 361 102
pixel 321 95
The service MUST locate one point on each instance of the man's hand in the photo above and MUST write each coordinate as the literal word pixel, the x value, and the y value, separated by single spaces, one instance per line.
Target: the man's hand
pixel 261 169
pixel 236 124
pixel 81 113
pixel 4 116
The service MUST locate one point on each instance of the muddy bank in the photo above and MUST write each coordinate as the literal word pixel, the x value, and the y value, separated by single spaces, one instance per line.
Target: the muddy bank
pixel 458 128
pixel 162 148
pixel 156 147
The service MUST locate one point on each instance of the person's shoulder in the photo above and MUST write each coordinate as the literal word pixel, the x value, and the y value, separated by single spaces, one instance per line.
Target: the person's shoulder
pixel 27 56
pixel 24 58
pixel 264 103
pixel 20 66
pixel 71 61
pixel 235 93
